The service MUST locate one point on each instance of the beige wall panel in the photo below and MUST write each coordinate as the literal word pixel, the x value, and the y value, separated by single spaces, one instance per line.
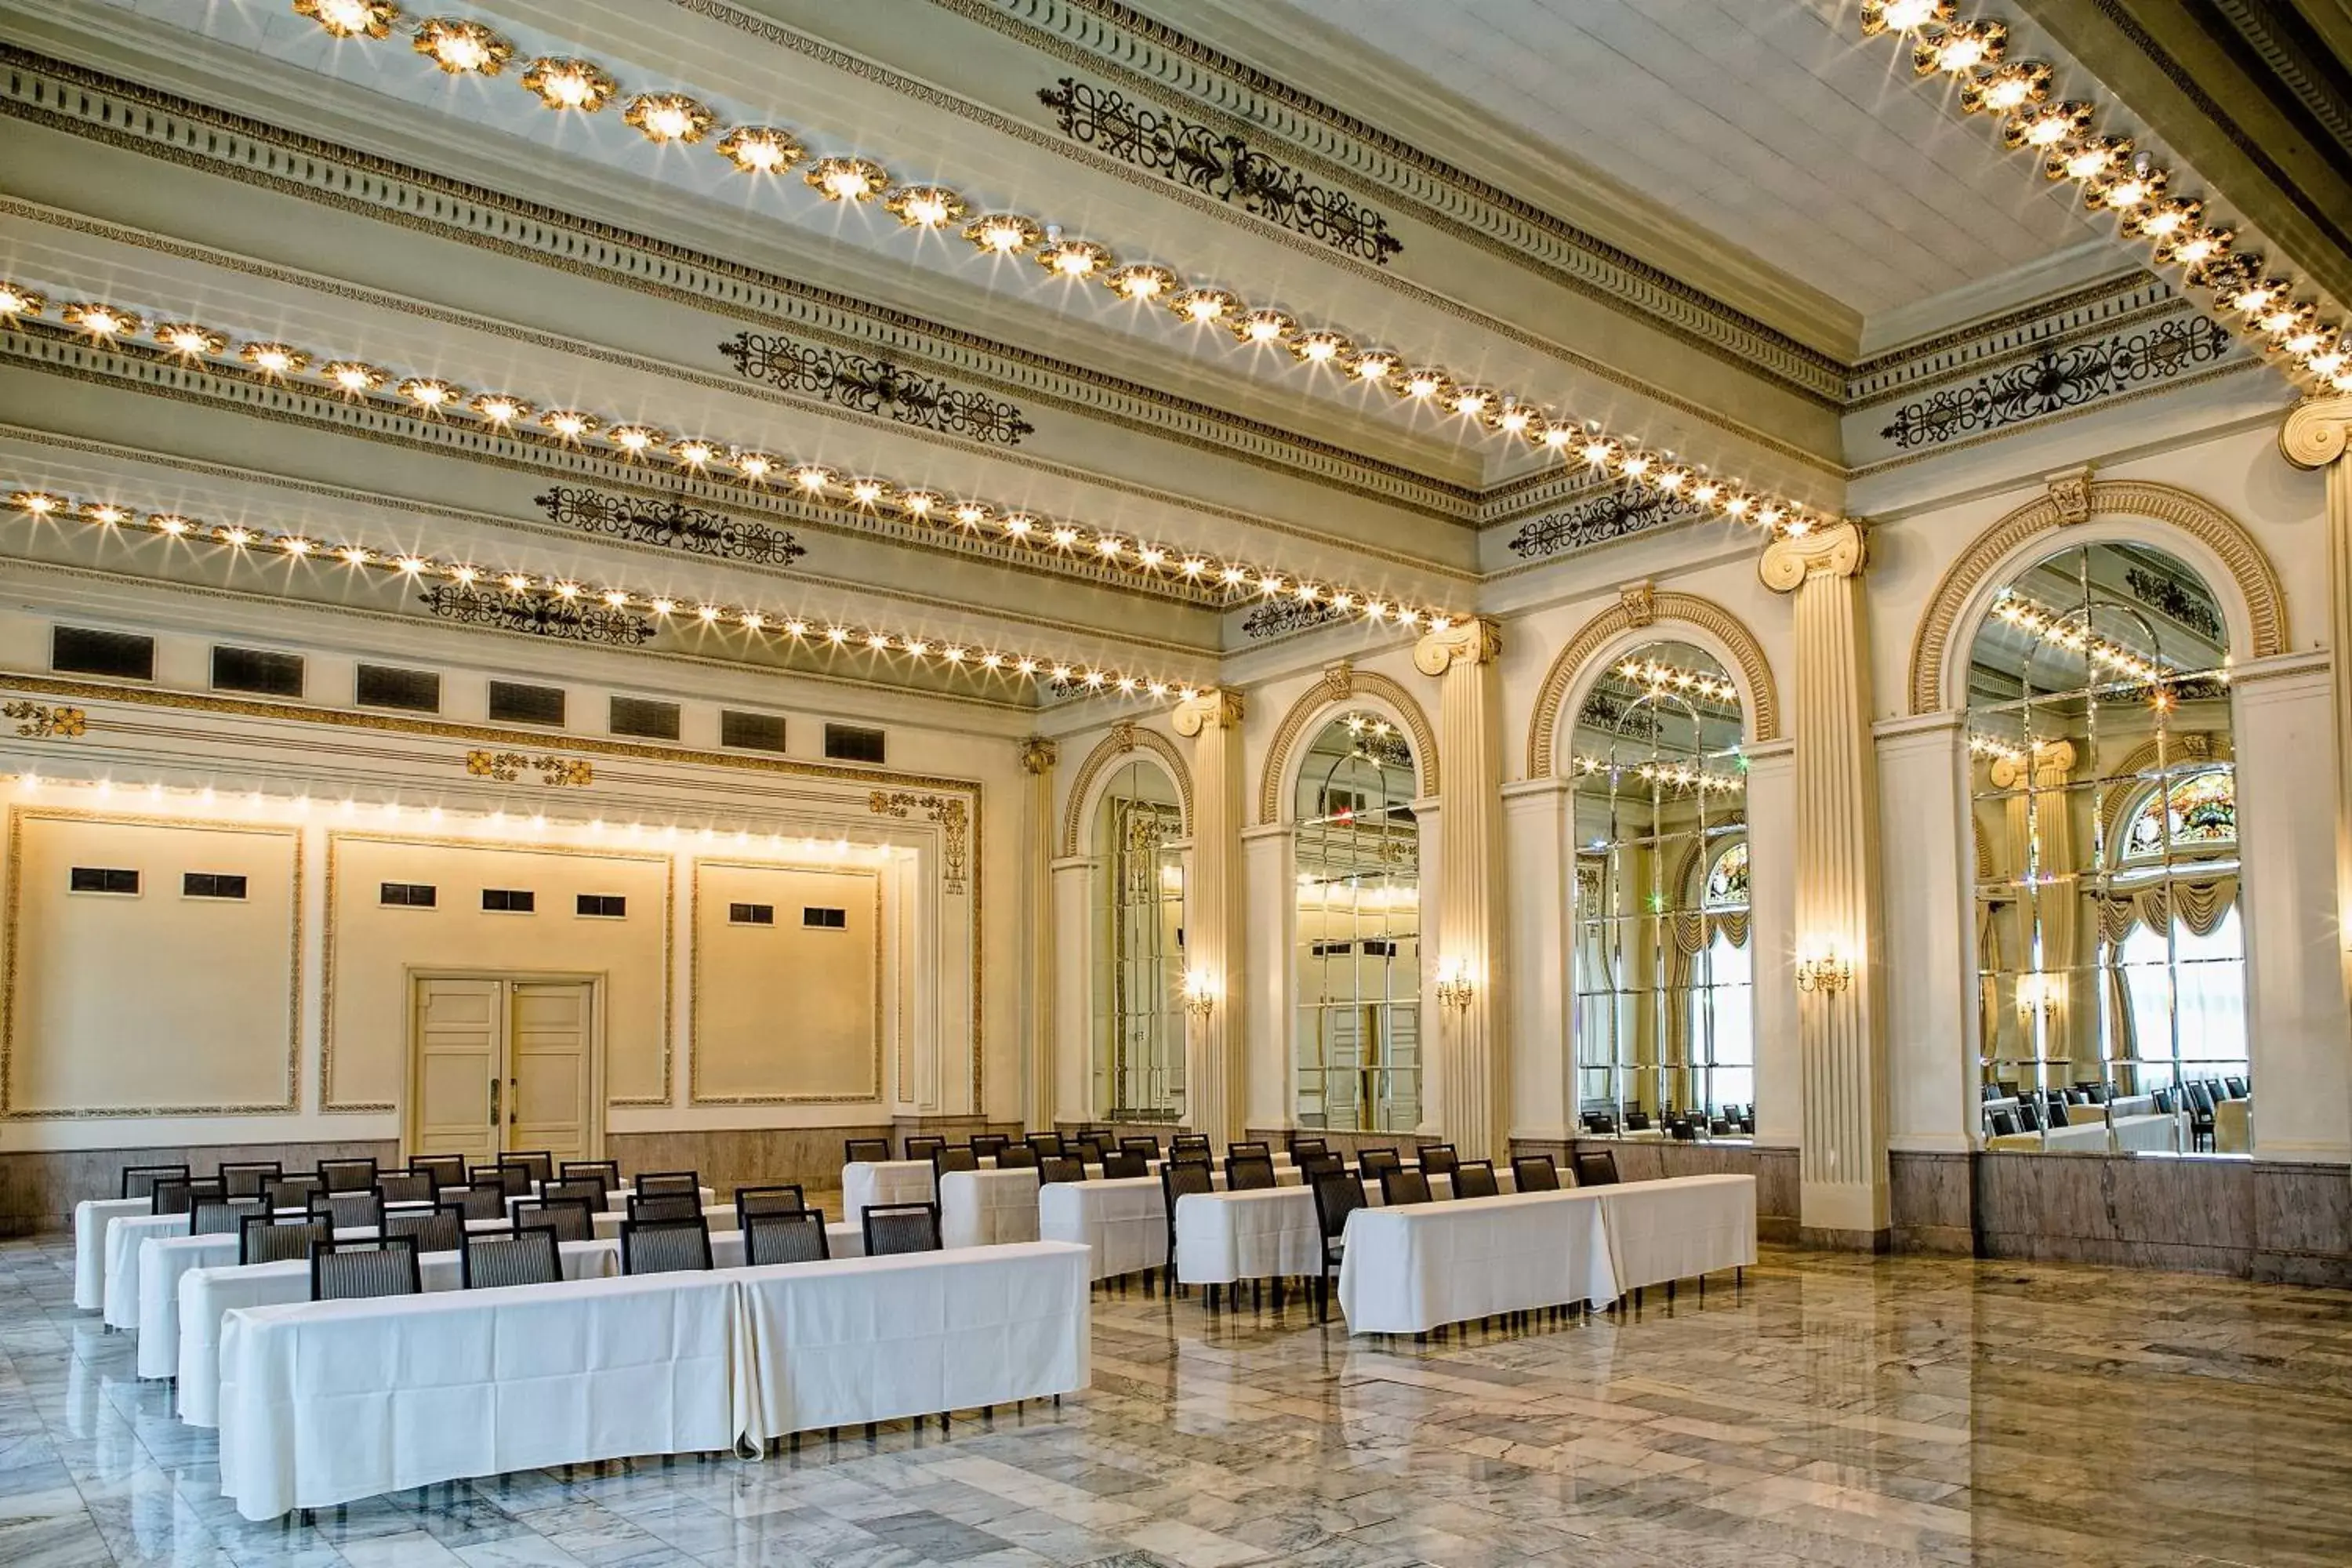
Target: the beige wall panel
pixel 786 1013
pixel 156 1001
pixel 370 949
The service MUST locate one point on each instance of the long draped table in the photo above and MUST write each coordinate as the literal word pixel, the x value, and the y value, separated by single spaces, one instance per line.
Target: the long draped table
pixel 1269 1233
pixel 92 1216
pixel 1122 1222
pixel 983 1208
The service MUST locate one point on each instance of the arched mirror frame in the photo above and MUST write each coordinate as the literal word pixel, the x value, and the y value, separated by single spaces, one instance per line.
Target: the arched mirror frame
pixel 1137 840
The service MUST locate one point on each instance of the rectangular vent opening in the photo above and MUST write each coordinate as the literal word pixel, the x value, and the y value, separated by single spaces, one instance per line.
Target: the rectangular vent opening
pixel 407 896
pixel 646 718
pixel 1333 949
pixel 1375 947
pixel 83 651
pixel 601 906
pixel 103 880
pixel 751 914
pixel 751 732
pixel 389 686
pixel 512 702
pixel 815 917
pixel 212 885
pixel 257 669
pixel 849 743
pixel 509 901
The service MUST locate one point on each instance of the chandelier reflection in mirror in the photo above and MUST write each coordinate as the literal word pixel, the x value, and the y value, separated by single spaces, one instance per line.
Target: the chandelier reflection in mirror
pixel 1138 979
pixel 2111 960
pixel 1664 1033
pixel 1358 855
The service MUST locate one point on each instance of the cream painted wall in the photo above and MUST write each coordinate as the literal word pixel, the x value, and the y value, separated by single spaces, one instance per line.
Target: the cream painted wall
pixel 786 1013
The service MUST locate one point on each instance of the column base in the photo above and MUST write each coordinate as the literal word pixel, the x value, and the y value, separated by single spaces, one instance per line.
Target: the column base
pixel 1825 1238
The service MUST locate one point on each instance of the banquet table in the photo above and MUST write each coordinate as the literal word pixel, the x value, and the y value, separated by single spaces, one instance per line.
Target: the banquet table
pixel 91 1218
pixel 983 1208
pixel 913 1334
pixel 327 1402
pixel 2233 1126
pixel 1409 1269
pixel 718 1216
pixel 1269 1233
pixel 2156 1132
pixel 867 1181
pixel 1124 1222
pixel 1681 1227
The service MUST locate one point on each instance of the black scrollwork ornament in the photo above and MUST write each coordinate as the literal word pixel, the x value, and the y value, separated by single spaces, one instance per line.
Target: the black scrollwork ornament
pixel 671 524
pixel 539 614
pixel 1623 512
pixel 876 386
pixel 2058 379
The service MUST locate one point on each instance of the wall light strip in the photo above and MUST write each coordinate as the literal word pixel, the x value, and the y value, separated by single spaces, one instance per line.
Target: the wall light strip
pixel 1680 778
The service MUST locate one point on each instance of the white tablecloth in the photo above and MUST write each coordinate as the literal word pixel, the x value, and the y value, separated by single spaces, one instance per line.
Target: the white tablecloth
pixel 1409 1269
pixel 983 1208
pixel 327 1402
pixel 869 1181
pixel 90 1217
pixel 1125 1222
pixel 123 1235
pixel 2234 1127
pixel 717 1217
pixel 1270 1232
pixel 1677 1229
pixel 2155 1132
pixel 879 1339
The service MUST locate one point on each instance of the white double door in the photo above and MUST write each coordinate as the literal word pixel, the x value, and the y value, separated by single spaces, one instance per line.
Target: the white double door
pixel 500 1064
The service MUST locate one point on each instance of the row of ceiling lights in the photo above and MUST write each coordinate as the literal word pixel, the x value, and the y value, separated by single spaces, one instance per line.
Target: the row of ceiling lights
pixel 2116 177
pixel 570 85
pixel 944 654
pixel 705 458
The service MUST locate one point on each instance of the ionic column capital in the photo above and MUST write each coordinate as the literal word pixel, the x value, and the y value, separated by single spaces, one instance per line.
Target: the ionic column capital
pixel 1475 641
pixel 1839 549
pixel 1215 708
pixel 2049 765
pixel 1038 754
pixel 2317 431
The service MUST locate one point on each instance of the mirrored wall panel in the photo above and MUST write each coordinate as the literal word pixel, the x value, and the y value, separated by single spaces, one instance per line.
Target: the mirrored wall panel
pixel 1138 945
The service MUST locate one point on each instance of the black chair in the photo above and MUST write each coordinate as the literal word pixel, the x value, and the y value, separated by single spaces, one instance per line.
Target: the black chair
pixel 665 1206
pixel 569 1218
pixel 1060 1168
pixel 478 1201
pixel 1249 1173
pixel 138 1181
pixel 1404 1185
pixel 529 1257
pixel 986 1143
pixel 437 1229
pixel 347 1176
pixel 605 1170
pixel 1090 1149
pixel 245 1178
pixel 2235 1086
pixel 539 1161
pixel 777 1199
pixel 1321 1162
pixel 1189 1156
pixel 1189 1141
pixel 1016 1157
pixel 923 1147
pixel 1534 1173
pixel 1438 1159
pixel 1120 1164
pixel 892 1228
pixel 665 1246
pixel 2003 1122
pixel 352 1271
pixel 1637 1121
pixel 512 1176
pixel 1141 1143
pixel 293 1192
pixel 181 1194
pixel 669 1184
pixel 224 1216
pixel 1182 1179
pixel 1337 1194
pixel 1302 1147
pixel 1245 1150
pixel 1596 1168
pixel 1475 1179
pixel 866 1150
pixel 266 1238
pixel 589 1190
pixel 1375 1163
pixel 1044 1143
pixel 408 1186
pixel 2053 1111
pixel 787 1237
pixel 1600 1123
pixel 446 1170
pixel 952 1157
pixel 349 1210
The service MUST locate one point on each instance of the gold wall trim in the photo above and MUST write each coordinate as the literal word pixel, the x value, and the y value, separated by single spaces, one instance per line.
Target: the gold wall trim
pixel 947 811
pixel 17 816
pixel 2257 581
pixel 1125 739
pixel 1340 684
pixel 1759 697
pixel 45 721
pixel 694 1095
pixel 329 1105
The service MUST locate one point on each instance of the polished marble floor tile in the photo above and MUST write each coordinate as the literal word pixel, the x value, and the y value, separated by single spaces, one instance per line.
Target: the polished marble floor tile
pixel 1832 1410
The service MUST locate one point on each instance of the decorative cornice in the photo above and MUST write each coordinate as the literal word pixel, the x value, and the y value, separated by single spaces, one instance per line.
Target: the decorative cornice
pixel 507 767
pixel 1343 683
pixel 1841 550
pixel 45 721
pixel 1634 610
pixel 1124 741
pixel 948 810
pixel 670 524
pixel 1623 511
pixel 2057 379
pixel 2101 307
pixel 538 617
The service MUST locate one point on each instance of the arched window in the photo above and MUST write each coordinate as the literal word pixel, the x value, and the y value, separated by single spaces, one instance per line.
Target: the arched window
pixel 1359 931
pixel 1665 1034
pixel 2111 961
pixel 1138 979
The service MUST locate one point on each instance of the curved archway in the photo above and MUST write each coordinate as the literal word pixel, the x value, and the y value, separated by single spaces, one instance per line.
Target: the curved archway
pixel 1343 683
pixel 1125 738
pixel 2214 537
pixel 1640 610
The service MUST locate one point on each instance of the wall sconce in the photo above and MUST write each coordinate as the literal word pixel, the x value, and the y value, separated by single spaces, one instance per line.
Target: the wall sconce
pixel 2042 994
pixel 1455 987
pixel 1200 994
pixel 1824 971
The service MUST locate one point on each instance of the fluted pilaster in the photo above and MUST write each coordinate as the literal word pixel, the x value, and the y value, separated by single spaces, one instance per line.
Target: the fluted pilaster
pixel 2318 435
pixel 1038 756
pixel 1841 1035
pixel 1473 1061
pixel 1214 915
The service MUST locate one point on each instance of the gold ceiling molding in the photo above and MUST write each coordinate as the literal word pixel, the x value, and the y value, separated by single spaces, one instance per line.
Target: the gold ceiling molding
pixel 2062 506
pixel 178 130
pixel 1339 685
pixel 1643 611
pixel 1150 57
pixel 1125 740
pixel 507 767
pixel 45 721
pixel 694 1095
pixel 948 810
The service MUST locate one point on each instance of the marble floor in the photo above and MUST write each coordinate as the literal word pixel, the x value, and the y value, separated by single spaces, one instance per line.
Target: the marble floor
pixel 1832 1411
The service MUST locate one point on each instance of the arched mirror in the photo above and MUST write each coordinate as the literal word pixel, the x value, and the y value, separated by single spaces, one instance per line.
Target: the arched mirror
pixel 1139 970
pixel 1357 963
pixel 1663 968
pixel 2111 960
